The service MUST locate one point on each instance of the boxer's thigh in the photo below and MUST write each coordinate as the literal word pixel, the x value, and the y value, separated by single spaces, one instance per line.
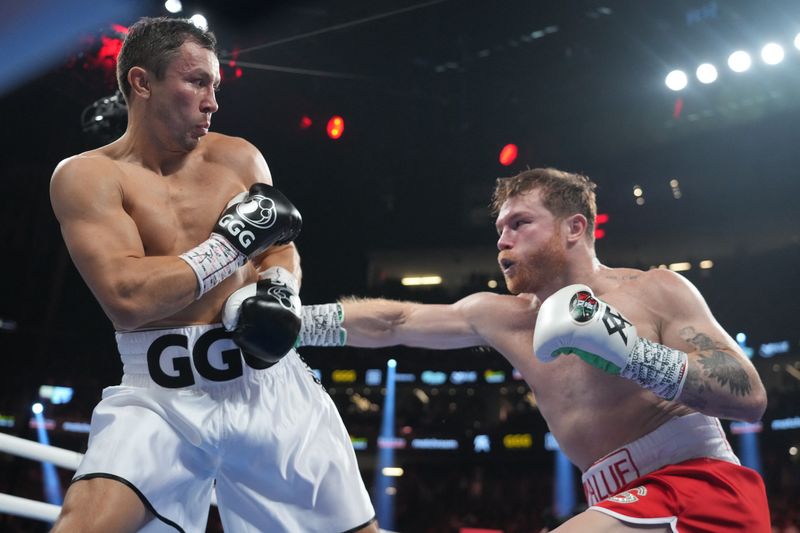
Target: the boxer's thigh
pixel 598 522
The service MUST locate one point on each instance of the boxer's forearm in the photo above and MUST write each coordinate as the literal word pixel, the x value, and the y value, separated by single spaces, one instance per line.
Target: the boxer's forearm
pixel 373 323
pixel 284 256
pixel 721 383
pixel 142 290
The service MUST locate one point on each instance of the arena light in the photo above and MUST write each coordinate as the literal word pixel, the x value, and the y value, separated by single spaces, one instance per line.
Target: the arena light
pixel 335 127
pixel 508 154
pixel 602 218
pixel 173 6
pixel 739 61
pixel 705 264
pixel 392 471
pixel 384 506
pixel 638 193
pixel 772 53
pixel 676 80
pixel 412 281
pixel 37 408
pixel 706 73
pixel 675 186
pixel 797 41
pixel 680 267
pixel 199 20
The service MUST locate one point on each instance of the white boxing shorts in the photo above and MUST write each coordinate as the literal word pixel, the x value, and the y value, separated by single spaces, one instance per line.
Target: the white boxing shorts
pixel 191 415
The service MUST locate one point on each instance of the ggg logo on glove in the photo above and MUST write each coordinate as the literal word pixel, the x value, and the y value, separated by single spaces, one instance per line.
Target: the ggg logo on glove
pixel 583 306
pixel 258 211
pixel 283 296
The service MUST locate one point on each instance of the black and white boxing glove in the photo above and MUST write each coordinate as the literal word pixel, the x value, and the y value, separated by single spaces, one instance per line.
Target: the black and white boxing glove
pixel 265 316
pixel 251 223
pixel 574 321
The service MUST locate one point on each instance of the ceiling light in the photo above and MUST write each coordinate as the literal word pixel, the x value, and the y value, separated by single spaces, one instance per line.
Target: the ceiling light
pixel 676 80
pixel 739 61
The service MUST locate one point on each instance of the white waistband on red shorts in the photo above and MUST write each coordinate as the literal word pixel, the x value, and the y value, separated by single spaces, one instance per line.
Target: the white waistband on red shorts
pixel 682 438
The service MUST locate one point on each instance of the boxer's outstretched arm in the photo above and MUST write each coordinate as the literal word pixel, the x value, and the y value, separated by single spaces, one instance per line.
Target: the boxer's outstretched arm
pixel 720 380
pixel 105 246
pixel 479 319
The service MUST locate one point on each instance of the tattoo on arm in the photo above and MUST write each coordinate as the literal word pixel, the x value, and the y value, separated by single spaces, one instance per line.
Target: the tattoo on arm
pixel 714 364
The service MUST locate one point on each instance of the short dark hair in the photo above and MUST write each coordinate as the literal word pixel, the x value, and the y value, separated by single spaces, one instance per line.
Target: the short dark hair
pixel 563 193
pixel 152 42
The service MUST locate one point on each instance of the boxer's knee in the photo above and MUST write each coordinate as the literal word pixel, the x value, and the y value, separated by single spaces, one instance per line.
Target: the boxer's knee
pixel 101 505
pixel 370 528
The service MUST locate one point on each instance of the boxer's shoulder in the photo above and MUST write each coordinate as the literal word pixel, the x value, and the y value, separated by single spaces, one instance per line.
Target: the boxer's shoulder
pixel 227 150
pixel 85 173
pixel 235 155
pixel 643 283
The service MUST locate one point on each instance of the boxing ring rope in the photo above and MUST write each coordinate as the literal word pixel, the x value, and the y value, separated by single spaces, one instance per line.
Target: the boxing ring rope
pixel 46 512
pixel 35 451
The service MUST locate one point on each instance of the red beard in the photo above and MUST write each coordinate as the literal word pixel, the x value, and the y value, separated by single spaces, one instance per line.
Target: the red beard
pixel 537 269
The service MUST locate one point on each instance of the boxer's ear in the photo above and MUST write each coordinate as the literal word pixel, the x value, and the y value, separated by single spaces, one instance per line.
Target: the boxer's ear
pixel 575 227
pixel 139 79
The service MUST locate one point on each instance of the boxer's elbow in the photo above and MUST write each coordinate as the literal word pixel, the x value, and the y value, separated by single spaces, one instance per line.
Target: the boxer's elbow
pixel 756 405
pixel 126 307
pixel 125 314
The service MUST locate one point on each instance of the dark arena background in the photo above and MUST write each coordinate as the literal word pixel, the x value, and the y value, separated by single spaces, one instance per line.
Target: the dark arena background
pixel 703 179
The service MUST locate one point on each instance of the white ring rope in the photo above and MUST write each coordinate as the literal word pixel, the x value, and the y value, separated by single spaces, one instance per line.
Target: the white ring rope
pixel 39 452
pixel 46 512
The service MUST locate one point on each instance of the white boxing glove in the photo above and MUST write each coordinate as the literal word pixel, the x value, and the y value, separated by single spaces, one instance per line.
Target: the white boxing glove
pixel 574 321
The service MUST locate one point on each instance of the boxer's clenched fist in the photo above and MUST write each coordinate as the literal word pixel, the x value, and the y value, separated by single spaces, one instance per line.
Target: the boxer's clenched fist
pixel 250 224
pixel 574 321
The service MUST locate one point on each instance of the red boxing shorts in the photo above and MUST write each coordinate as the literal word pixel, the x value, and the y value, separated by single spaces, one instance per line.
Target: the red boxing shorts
pixel 683 475
pixel 695 496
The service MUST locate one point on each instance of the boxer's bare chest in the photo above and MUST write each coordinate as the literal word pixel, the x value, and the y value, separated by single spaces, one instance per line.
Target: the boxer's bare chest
pixel 176 211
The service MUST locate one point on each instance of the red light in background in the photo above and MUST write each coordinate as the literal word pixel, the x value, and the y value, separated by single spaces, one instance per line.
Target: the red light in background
pixel 335 127
pixel 676 111
pixel 305 122
pixel 508 154
pixel 599 232
pixel 238 72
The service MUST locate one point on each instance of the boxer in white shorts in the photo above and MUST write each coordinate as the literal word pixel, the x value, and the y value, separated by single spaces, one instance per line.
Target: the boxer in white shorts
pixel 271 439
pixel 174 228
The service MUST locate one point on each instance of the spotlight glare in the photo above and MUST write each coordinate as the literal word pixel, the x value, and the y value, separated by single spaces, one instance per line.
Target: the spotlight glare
pixel 680 267
pixel 676 80
pixel 706 73
pixel 739 61
pixel 772 53
pixel 37 408
pixel 797 41
pixel 173 6
pixel 335 127
pixel 199 21
pixel 508 154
